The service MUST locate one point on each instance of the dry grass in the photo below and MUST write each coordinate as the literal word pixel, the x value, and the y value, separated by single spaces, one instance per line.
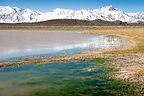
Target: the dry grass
pixel 135 35
pixel 138 71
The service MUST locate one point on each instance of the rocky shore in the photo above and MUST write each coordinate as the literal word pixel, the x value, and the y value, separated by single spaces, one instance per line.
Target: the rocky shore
pixel 130 66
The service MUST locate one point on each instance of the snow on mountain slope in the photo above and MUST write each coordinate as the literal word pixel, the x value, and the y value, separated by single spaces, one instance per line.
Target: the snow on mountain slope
pixel 109 13
pixel 17 15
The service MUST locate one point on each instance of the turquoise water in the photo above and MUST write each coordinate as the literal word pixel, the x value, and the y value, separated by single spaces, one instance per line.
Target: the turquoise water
pixel 58 79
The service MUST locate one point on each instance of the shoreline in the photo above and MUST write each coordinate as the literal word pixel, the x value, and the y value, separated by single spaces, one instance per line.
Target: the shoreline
pixel 77 56
pixel 61 28
pixel 129 61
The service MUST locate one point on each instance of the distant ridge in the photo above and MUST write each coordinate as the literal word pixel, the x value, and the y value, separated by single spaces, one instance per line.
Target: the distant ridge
pixel 72 22
pixel 17 15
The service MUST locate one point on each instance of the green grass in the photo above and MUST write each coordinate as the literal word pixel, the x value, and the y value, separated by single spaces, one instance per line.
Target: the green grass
pixel 95 83
pixel 40 64
pixel 101 60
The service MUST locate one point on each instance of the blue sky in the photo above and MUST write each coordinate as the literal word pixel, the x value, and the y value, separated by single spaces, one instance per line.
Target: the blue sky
pixel 47 5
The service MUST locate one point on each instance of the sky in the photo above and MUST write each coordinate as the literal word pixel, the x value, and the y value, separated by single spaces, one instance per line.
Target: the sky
pixel 131 6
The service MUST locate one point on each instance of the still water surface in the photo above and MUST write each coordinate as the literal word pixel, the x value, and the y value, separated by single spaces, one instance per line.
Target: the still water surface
pixel 14 43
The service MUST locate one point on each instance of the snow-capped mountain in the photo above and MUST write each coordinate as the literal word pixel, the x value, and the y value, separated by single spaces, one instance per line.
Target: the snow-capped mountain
pixel 109 13
pixel 17 15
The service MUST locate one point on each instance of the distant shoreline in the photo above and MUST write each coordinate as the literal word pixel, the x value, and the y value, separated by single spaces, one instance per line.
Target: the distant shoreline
pixel 72 23
pixel 67 28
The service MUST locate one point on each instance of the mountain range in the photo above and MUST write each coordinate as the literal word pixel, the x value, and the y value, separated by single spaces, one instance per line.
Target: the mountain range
pixel 17 15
